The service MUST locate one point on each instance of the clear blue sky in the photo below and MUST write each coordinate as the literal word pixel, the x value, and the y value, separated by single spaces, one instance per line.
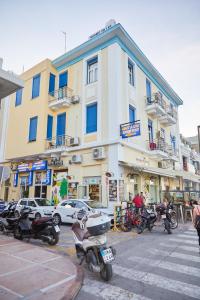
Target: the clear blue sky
pixel 168 32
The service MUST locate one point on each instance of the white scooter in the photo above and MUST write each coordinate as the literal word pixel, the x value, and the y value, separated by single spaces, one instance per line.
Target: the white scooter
pixel 90 242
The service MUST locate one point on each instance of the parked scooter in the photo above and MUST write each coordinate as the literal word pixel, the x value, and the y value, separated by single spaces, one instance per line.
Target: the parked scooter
pixel 8 222
pixel 42 229
pixel 165 216
pixel 90 242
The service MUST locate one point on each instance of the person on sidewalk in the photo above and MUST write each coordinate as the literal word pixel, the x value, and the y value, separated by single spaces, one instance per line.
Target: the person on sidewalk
pixel 138 201
pixel 196 219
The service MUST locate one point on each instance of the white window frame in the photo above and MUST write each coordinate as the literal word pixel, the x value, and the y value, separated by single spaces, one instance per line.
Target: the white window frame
pixel 92 72
pixel 131 72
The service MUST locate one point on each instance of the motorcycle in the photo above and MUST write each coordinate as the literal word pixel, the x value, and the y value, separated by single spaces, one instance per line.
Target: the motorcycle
pixel 148 220
pixel 172 216
pixel 8 222
pixel 165 216
pixel 89 233
pixel 42 229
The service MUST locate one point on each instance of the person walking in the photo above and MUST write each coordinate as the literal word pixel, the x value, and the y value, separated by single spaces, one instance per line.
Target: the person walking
pixel 196 219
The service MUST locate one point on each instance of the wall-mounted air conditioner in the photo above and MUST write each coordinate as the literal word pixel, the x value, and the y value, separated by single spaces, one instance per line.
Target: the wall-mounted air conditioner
pixel 99 153
pixel 76 159
pixel 74 141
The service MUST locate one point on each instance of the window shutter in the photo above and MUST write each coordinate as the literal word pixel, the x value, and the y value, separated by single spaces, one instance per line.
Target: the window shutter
pixel 148 90
pixel 63 78
pixel 33 129
pixel 131 114
pixel 52 84
pixel 18 99
pixel 91 116
pixel 49 127
pixel 36 86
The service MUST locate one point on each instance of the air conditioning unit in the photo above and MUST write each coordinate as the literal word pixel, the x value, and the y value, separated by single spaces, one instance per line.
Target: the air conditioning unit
pixel 75 99
pixel 99 153
pixel 74 141
pixel 76 159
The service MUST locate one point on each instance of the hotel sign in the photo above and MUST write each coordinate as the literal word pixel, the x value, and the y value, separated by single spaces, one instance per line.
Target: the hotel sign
pixel 130 129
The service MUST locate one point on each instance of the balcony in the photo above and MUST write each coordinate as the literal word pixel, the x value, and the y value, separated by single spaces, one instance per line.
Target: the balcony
pixel 161 150
pixel 61 142
pixel 155 105
pixel 170 117
pixel 62 98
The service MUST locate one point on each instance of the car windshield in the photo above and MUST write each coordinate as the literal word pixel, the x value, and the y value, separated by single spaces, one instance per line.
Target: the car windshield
pixel 43 202
pixel 94 204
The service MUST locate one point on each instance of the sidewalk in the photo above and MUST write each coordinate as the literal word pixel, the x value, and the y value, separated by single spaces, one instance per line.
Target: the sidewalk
pixel 31 272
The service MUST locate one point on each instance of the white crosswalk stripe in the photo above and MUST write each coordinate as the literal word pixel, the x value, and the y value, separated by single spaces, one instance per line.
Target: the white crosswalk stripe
pixel 178 240
pixel 175 246
pixel 109 292
pixel 167 265
pixel 175 255
pixel 159 281
pixel 187 237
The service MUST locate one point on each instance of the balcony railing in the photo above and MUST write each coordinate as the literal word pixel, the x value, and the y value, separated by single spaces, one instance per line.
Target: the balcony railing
pixel 62 97
pixel 161 146
pixel 61 141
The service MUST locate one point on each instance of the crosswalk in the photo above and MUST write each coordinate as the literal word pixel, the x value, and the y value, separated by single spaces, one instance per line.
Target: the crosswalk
pixel 177 256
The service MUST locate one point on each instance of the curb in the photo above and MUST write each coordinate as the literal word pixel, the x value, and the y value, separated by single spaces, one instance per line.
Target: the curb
pixel 73 291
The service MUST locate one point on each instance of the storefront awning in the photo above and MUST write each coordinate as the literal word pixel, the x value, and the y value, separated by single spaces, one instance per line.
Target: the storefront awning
pixel 188 176
pixel 150 170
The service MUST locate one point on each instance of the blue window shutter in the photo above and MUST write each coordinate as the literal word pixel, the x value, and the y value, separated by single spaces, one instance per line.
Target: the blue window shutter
pixel 131 114
pixel 18 99
pixel 51 83
pixel 63 78
pixel 33 129
pixel 92 61
pixel 49 127
pixel 148 90
pixel 36 86
pixel 91 118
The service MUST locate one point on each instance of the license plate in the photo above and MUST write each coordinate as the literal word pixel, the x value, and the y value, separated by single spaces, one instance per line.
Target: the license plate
pixel 163 217
pixel 107 255
pixel 57 229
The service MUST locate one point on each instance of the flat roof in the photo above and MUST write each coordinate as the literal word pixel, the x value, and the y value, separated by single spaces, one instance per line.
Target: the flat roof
pixel 9 83
pixel 117 34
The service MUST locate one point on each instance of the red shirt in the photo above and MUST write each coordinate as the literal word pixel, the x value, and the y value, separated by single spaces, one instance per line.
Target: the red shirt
pixel 138 201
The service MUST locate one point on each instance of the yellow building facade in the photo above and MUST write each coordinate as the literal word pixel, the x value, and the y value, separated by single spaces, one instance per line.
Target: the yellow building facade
pixel 67 126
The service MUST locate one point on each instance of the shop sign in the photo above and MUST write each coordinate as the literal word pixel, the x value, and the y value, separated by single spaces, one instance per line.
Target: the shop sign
pixel 92 180
pixel 15 180
pixel 130 129
pixel 48 177
pixel 36 166
pixel 30 178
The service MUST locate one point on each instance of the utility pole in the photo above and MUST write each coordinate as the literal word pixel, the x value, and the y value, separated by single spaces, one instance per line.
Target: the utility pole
pixel 64 32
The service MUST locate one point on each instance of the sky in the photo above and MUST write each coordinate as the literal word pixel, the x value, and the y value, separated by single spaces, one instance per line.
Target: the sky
pixel 168 32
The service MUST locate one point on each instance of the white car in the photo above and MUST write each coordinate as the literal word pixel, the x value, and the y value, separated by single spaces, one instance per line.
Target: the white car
pixel 64 211
pixel 41 207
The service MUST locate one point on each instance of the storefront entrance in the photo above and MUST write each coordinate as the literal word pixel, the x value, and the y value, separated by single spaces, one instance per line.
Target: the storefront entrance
pixel 40 185
pixel 92 188
pixel 24 188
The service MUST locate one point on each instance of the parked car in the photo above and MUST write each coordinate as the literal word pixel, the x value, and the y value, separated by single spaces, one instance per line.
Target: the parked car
pixel 2 205
pixel 41 207
pixel 64 211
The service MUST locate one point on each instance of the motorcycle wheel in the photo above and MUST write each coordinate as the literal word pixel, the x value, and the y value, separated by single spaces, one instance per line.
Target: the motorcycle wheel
pixel 167 226
pixel 141 227
pixel 18 234
pixel 150 227
pixel 174 221
pixel 126 225
pixel 106 272
pixel 54 238
pixel 1 227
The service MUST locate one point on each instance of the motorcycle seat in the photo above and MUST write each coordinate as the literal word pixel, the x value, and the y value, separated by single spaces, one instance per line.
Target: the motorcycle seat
pixel 80 233
pixel 41 220
pixel 11 220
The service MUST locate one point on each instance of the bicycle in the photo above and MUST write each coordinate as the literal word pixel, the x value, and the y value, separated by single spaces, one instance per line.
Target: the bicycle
pixel 130 219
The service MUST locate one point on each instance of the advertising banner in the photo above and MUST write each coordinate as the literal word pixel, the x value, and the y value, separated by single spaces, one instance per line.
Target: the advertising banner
pixel 130 129
pixel 35 166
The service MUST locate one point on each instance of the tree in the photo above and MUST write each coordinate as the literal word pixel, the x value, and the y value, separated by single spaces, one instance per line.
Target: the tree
pixel 63 188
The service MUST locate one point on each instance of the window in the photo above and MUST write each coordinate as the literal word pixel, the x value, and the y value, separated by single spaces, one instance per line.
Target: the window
pixel 36 86
pixel 130 72
pixel 92 70
pixel 52 84
pixel 148 90
pixel 131 114
pixel 18 99
pixel 63 78
pixel 49 127
pixel 33 129
pixel 23 202
pixel 91 118
pixel 150 130
pixel 32 203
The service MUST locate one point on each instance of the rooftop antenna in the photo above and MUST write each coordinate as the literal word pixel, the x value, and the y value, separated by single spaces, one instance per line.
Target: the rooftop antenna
pixel 64 32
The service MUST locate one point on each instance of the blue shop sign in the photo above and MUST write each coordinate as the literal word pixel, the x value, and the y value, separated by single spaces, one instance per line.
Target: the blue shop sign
pixel 48 177
pixel 15 180
pixel 130 129
pixel 30 178
pixel 36 166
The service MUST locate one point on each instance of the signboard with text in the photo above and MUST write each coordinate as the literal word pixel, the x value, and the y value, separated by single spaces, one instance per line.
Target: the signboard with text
pixel 130 129
pixel 35 166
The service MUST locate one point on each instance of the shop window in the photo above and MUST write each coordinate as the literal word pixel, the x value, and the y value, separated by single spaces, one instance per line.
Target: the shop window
pixel 36 86
pixel 92 70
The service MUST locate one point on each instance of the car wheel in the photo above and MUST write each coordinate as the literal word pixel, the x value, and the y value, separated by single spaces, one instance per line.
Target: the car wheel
pixel 37 216
pixel 57 219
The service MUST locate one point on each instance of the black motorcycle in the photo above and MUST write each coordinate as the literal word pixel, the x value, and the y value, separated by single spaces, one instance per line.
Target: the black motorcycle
pixel 164 213
pixel 43 229
pixel 8 222
pixel 148 220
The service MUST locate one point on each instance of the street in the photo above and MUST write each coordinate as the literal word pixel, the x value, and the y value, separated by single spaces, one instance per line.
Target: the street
pixel 153 265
